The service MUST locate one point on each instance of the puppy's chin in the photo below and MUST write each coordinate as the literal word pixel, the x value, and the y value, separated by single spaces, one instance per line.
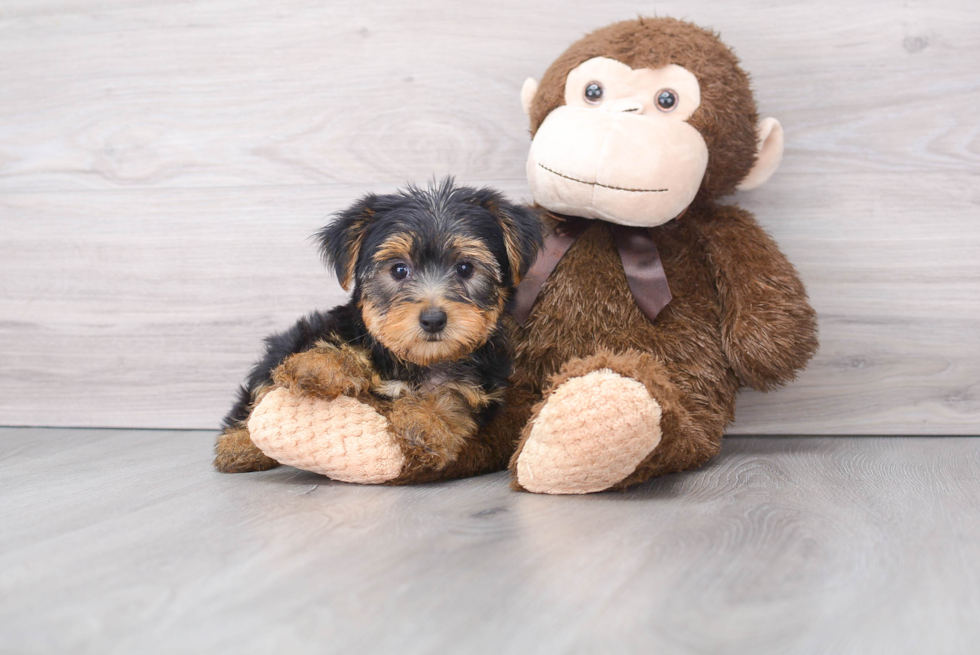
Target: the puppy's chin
pixel 425 353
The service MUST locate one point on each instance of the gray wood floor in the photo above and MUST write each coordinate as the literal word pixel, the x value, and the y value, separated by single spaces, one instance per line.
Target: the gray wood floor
pixel 121 541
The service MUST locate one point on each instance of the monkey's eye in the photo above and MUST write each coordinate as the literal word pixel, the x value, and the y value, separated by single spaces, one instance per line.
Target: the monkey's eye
pixel 593 93
pixel 400 271
pixel 666 99
pixel 464 270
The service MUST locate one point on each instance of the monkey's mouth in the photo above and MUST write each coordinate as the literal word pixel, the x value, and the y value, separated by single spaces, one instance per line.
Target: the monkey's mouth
pixel 604 186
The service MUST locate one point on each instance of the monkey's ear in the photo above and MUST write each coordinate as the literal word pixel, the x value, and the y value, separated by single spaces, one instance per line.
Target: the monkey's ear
pixel 340 241
pixel 528 91
pixel 522 230
pixel 769 155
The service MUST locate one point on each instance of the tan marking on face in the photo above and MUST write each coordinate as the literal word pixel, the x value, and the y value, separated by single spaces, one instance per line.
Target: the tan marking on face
pixel 472 249
pixel 467 328
pixel 397 246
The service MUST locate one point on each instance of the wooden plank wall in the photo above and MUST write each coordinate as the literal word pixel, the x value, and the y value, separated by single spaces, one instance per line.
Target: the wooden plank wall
pixel 162 163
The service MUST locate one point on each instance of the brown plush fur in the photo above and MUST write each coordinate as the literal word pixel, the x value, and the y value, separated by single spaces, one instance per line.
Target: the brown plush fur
pixel 235 453
pixel 234 450
pixel 739 314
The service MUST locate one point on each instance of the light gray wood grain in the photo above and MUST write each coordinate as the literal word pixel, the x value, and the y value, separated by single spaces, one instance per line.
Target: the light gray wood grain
pixel 152 317
pixel 138 93
pixel 126 541
pixel 162 164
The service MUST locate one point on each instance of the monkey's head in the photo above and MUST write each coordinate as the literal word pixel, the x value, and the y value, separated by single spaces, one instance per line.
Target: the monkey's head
pixel 638 120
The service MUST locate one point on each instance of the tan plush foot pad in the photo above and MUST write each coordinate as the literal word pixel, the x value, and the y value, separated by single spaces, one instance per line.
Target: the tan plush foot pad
pixel 593 432
pixel 342 438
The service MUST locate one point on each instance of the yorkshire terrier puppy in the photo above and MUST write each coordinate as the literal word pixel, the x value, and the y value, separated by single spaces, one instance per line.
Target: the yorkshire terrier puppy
pixel 423 338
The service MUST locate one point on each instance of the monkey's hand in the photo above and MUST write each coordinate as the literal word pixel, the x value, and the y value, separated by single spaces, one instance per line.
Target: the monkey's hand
pixel 769 329
pixel 326 371
pixel 432 427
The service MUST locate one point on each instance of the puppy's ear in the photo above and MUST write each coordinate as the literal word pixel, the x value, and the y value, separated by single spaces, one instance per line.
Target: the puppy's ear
pixel 522 230
pixel 340 241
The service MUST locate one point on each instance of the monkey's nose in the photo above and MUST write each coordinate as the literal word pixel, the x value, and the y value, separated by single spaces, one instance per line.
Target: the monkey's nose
pixel 622 105
pixel 432 320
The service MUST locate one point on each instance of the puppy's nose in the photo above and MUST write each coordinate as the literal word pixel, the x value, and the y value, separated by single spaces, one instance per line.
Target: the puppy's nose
pixel 432 320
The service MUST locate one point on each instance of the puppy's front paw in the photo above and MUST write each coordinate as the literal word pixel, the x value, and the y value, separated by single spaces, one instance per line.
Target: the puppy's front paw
pixel 326 371
pixel 432 428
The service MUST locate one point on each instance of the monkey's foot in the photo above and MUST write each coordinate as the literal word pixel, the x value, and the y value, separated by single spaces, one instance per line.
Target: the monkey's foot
pixel 235 453
pixel 591 433
pixel 343 438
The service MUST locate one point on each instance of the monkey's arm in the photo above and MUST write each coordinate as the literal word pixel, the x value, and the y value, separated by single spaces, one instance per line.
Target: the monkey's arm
pixel 235 452
pixel 769 329
pixel 302 336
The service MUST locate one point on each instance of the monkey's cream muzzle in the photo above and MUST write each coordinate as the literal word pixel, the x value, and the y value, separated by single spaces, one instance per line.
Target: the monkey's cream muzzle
pixel 620 148
pixel 615 164
pixel 611 152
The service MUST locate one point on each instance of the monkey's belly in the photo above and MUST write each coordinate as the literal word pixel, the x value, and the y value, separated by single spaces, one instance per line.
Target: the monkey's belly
pixel 587 306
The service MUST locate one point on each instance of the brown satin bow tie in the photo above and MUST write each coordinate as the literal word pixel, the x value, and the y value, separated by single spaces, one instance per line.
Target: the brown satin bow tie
pixel 641 263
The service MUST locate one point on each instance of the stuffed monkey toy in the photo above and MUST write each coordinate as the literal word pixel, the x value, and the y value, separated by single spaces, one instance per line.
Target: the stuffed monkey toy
pixel 651 303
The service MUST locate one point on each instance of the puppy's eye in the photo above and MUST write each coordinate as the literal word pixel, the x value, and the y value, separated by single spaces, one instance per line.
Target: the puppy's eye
pixel 464 270
pixel 400 271
pixel 666 99
pixel 593 93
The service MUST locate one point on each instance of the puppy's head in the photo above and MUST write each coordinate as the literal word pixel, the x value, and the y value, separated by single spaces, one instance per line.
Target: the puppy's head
pixel 431 269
